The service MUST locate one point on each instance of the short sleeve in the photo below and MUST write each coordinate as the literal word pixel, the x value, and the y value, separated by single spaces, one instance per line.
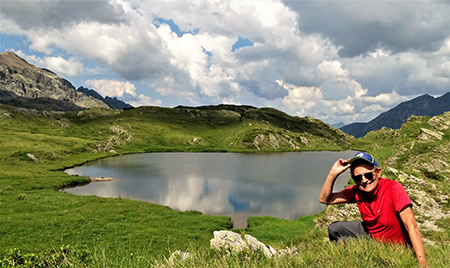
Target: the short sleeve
pixel 399 196
pixel 350 193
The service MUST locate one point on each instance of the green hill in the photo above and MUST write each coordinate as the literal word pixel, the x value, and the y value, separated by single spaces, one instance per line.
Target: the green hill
pixel 35 146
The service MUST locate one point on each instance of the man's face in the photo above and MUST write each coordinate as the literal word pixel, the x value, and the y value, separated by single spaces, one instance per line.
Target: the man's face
pixel 366 177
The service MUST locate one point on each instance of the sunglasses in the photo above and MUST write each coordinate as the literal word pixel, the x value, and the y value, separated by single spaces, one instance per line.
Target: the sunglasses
pixel 368 175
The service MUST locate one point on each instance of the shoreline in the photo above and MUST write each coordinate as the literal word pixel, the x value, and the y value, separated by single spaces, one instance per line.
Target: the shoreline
pixel 100 179
pixel 239 220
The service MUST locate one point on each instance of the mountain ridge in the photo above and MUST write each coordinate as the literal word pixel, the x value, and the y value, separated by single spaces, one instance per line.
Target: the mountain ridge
pixel 424 105
pixel 113 102
pixel 25 85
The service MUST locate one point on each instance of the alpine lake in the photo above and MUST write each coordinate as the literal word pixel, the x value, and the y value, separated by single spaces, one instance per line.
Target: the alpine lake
pixel 238 185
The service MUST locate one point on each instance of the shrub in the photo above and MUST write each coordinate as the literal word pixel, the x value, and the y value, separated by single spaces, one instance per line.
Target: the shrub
pixel 65 256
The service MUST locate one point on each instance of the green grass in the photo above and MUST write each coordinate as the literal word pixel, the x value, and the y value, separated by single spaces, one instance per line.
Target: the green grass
pixel 36 218
pixel 35 215
pixel 279 231
pixel 316 252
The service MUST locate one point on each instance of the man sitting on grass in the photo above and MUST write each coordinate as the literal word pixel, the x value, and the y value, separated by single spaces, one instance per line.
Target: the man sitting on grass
pixel 384 205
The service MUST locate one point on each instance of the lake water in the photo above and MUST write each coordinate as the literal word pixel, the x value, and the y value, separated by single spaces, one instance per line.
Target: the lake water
pixel 282 185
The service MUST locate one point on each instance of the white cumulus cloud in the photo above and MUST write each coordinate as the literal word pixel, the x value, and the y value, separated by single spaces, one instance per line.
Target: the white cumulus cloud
pixel 337 60
pixel 72 67
pixel 112 88
pixel 123 90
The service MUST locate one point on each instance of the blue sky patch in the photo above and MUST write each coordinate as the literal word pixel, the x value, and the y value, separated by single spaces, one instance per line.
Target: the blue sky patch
pixel 16 42
pixel 209 54
pixel 173 26
pixel 241 42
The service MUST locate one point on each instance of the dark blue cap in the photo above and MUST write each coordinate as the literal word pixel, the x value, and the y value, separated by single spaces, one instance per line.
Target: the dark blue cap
pixel 364 156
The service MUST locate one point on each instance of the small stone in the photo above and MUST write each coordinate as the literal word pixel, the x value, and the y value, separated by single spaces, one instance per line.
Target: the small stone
pixel 178 256
pixel 32 157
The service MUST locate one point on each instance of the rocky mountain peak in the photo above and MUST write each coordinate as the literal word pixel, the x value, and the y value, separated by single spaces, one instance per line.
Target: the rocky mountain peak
pixel 25 85
pixel 10 59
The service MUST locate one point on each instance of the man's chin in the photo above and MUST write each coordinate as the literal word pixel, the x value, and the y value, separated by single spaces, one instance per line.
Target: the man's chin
pixel 368 187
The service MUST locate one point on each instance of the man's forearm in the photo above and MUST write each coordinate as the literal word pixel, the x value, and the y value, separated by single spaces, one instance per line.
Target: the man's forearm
pixel 327 189
pixel 326 194
pixel 407 216
pixel 416 240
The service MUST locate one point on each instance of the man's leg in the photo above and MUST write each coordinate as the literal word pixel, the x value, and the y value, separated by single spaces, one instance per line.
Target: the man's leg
pixel 346 229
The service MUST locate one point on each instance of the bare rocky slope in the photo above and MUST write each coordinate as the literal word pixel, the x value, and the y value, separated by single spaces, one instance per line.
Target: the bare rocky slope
pixel 25 85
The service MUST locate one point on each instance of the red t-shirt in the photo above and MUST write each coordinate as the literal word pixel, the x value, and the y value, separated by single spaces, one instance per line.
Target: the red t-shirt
pixel 381 212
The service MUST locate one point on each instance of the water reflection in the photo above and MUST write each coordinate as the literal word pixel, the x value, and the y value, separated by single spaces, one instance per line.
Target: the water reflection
pixel 283 185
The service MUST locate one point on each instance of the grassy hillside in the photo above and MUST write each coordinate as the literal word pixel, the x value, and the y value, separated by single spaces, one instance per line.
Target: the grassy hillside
pixel 35 146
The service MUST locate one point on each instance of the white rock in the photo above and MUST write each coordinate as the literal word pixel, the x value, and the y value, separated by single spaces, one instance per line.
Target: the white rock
pixel 228 240
pixel 235 243
pixel 33 157
pixel 257 245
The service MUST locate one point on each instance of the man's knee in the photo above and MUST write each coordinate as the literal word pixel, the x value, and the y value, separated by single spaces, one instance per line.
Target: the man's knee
pixel 345 229
pixel 335 230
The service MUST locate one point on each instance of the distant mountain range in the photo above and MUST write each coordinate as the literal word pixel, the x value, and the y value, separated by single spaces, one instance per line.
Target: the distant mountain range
pixel 338 125
pixel 113 103
pixel 424 105
pixel 25 85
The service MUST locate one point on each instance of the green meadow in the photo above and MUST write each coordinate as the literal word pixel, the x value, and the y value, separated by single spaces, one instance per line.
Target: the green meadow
pixel 42 226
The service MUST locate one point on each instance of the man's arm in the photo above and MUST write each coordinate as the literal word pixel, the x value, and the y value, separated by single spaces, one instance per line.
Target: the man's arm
pixel 407 216
pixel 326 195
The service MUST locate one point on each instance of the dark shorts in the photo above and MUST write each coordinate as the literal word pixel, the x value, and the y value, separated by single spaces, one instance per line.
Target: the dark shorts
pixel 346 229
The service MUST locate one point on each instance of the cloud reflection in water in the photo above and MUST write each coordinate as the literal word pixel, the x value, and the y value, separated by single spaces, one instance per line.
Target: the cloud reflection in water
pixel 280 185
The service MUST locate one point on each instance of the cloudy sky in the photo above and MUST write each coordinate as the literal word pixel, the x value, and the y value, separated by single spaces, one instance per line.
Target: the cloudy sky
pixel 338 61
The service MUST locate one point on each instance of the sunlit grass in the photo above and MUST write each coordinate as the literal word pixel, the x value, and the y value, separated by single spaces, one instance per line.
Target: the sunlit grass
pixel 118 232
pixel 316 252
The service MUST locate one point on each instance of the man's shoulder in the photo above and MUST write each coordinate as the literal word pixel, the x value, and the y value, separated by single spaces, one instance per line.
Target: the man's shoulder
pixel 391 186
